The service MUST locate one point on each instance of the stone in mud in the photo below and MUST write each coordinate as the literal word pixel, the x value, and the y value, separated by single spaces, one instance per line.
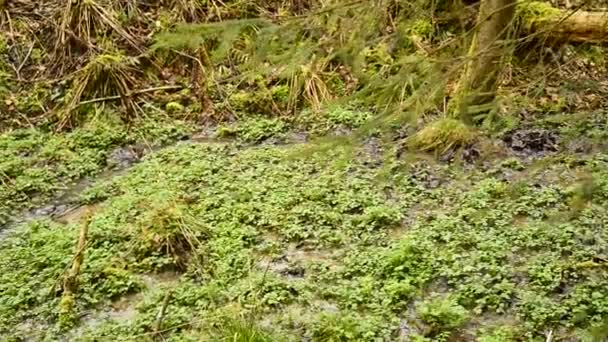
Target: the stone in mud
pixel 468 154
pixel 328 307
pixel 285 139
pixel 424 175
pixel 284 266
pixel 123 157
pixel 342 131
pixel 44 211
pixel 532 141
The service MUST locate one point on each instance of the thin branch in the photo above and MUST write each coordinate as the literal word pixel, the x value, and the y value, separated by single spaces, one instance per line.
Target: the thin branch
pixel 118 97
pixel 161 313
pixel 27 56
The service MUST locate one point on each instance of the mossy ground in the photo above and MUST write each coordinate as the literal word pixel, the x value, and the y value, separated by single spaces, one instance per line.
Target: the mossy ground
pixel 277 243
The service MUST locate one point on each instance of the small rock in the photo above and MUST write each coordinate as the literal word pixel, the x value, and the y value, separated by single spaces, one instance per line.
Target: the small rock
pixel 123 157
pixel 342 131
pixel 44 211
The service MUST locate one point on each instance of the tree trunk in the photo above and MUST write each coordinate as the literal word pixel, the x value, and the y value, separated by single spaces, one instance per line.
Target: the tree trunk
pixel 478 81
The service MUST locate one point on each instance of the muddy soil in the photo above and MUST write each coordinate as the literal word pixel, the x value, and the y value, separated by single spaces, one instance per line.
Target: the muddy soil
pixel 532 142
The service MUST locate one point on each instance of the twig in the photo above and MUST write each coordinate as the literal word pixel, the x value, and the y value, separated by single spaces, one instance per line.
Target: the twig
pixel 18 69
pixel 69 282
pixel 161 313
pixel 137 92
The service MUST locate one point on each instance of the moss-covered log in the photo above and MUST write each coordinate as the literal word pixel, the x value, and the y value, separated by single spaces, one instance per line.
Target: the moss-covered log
pixel 565 25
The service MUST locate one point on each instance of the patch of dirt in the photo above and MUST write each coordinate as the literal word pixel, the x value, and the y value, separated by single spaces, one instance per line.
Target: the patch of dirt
pixel 579 146
pixel 532 142
pixel 153 281
pixel 292 263
pixel 288 138
pixel 324 305
pixel 423 174
pixel 124 309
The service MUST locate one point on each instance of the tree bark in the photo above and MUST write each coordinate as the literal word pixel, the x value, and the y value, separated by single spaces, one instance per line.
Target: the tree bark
pixel 478 82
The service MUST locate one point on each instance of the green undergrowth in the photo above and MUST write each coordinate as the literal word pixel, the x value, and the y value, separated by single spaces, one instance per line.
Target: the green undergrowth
pixel 264 246
pixel 334 119
pixel 35 164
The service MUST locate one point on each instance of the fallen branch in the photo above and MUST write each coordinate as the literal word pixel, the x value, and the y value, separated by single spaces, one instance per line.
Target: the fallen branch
pixel 118 97
pixel 161 313
pixel 70 281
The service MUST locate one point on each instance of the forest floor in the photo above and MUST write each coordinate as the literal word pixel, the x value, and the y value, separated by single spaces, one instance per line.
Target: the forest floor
pixel 280 212
pixel 261 234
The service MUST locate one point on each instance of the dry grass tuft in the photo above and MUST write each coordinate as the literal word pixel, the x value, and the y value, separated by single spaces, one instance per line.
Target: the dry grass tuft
pixel 170 230
pixel 309 83
pixel 104 76
pixel 82 22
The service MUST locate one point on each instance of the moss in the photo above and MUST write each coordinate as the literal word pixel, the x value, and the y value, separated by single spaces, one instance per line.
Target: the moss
pixel 421 27
pixel 174 107
pixel 67 314
pixel 259 97
pixel 442 135
pixel 3 44
pixel 534 13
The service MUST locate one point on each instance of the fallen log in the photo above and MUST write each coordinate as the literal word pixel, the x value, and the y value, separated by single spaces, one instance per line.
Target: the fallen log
pixel 563 25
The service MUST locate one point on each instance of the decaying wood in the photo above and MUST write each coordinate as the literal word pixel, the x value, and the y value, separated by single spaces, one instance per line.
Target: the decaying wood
pixel 577 26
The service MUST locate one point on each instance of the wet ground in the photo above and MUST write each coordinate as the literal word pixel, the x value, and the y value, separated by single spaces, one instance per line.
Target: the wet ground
pixel 67 205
